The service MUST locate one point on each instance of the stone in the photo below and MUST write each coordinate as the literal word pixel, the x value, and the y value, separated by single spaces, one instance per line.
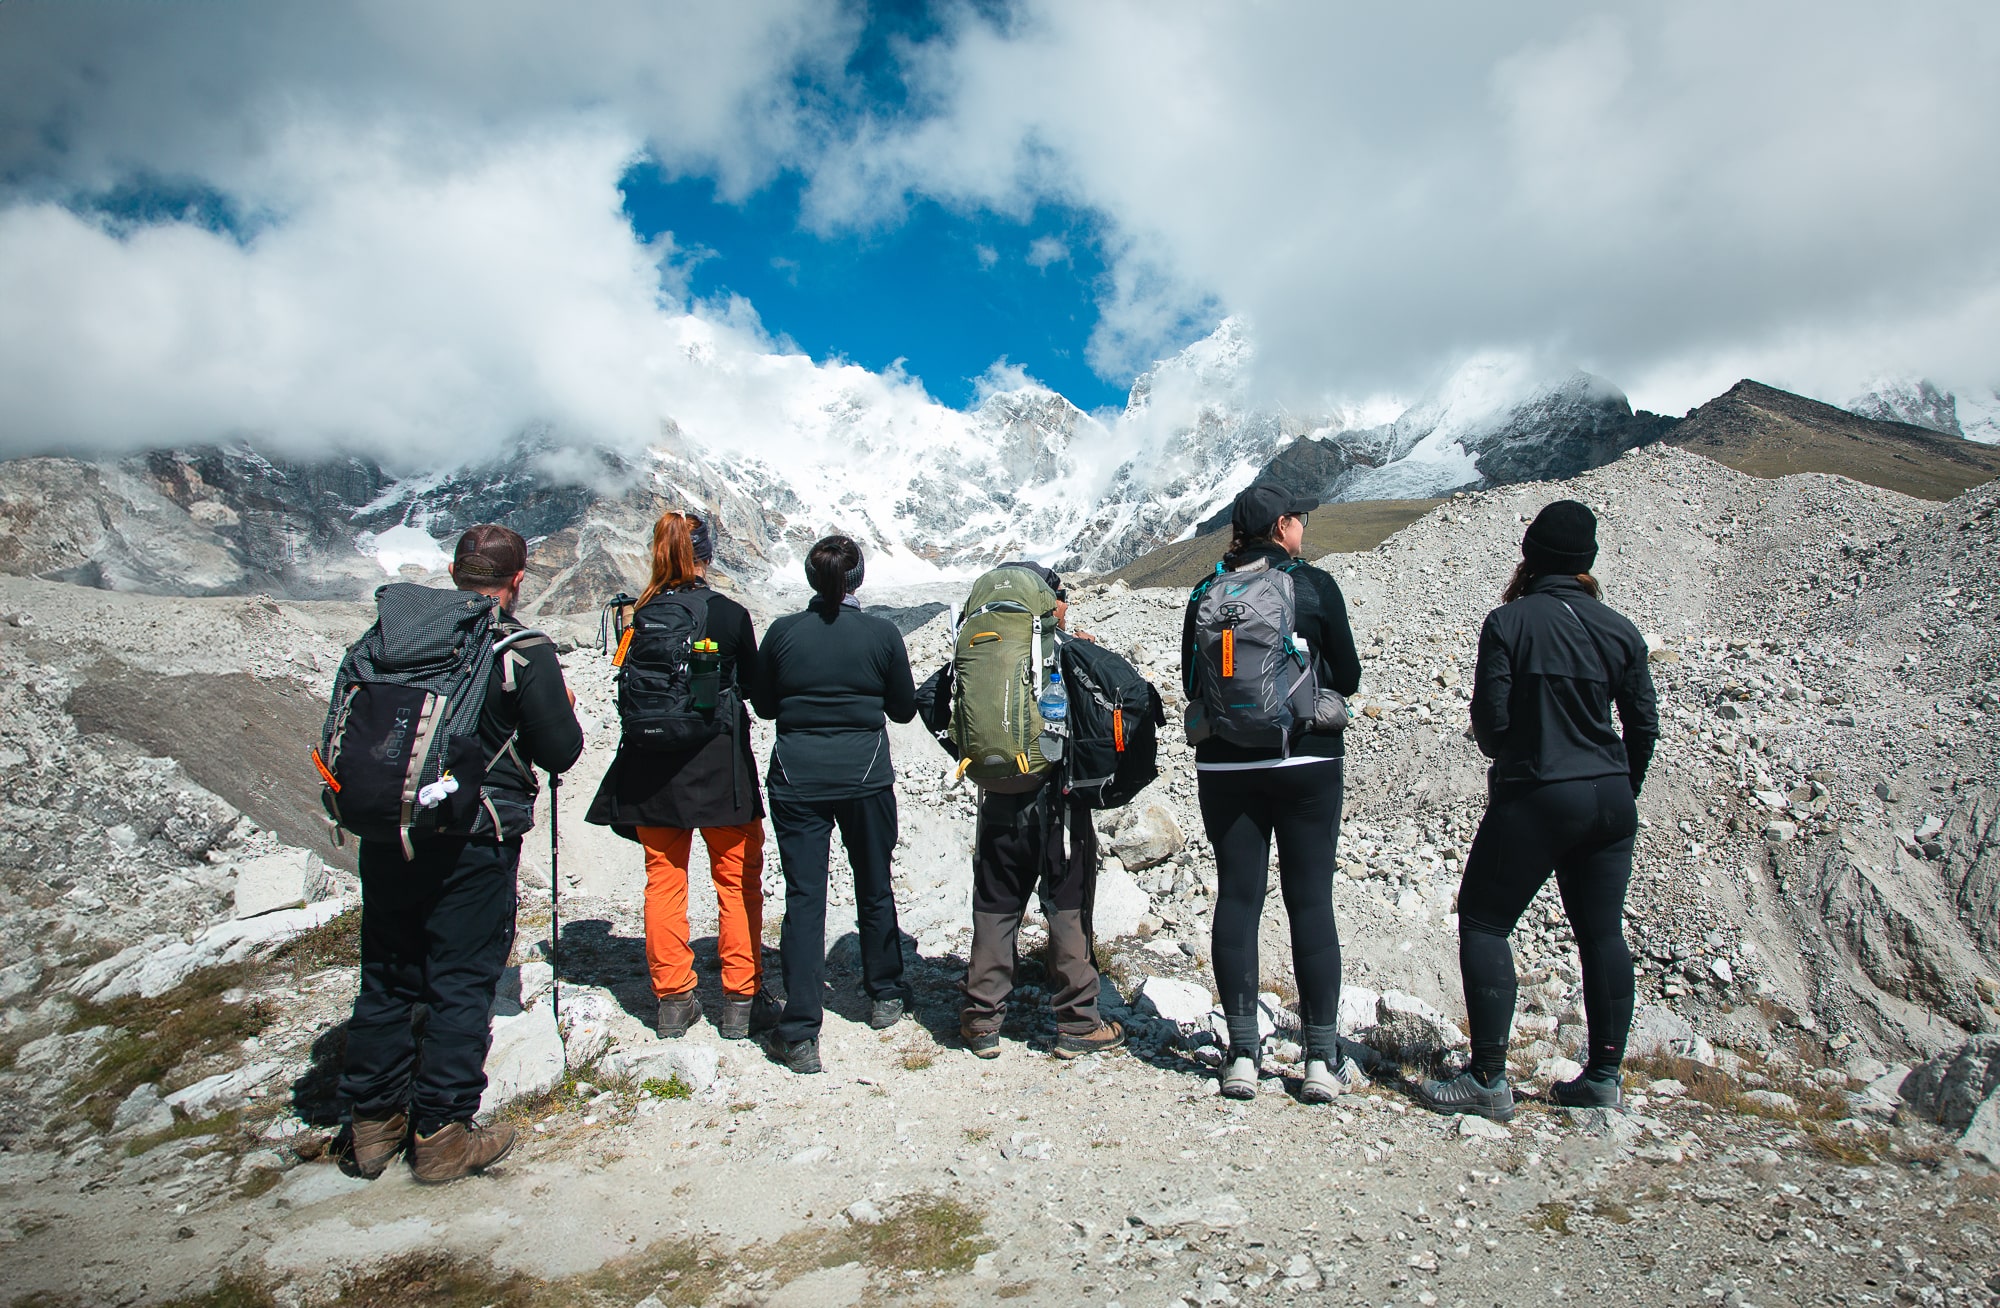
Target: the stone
pixel 1183 1003
pixel 159 963
pixel 1219 1212
pixel 1950 1088
pixel 1888 792
pixel 863 1212
pixel 1780 830
pixel 1406 1027
pixel 1720 969
pixel 1552 1070
pixel 305 1186
pixel 1150 836
pixel 142 1112
pixel 525 1058
pixel 1776 1101
pixel 1358 1005
pixel 221 1092
pixel 1473 1127
pixel 697 1065
pixel 1119 905
pixel 288 878
pixel 1660 1032
pixel 1888 1087
pixel 20 978
pixel 1982 1133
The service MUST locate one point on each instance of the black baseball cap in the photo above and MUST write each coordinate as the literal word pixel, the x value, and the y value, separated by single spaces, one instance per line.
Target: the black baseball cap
pixel 1262 503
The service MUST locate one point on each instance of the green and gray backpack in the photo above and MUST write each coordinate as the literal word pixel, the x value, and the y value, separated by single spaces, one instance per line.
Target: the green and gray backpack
pixel 1006 637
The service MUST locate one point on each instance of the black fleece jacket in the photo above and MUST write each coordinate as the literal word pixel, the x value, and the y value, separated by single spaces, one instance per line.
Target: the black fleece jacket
pixel 538 715
pixel 830 675
pixel 1322 619
pixel 1551 665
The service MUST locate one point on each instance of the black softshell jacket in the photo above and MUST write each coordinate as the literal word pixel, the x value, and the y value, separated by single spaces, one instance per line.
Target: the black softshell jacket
pixel 538 715
pixel 830 676
pixel 1551 665
pixel 1322 620
pixel 711 785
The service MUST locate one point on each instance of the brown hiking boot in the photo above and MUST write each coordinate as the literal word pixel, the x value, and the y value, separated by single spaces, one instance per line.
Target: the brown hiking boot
pixel 458 1149
pixel 376 1141
pixel 1107 1036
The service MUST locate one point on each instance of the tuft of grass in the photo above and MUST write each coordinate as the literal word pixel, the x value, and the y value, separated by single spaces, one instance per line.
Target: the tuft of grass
pixel 672 1088
pixel 151 1038
pixel 233 1290
pixel 916 1060
pixel 333 943
pixel 935 1234
pixel 974 1134
pixel 1552 1217
pixel 261 1181
pixel 439 1280
pixel 565 1096
pixel 185 1128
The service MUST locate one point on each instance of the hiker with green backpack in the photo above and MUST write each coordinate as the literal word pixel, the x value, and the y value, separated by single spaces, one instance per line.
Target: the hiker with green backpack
pixel 440 714
pixel 1267 660
pixel 1001 705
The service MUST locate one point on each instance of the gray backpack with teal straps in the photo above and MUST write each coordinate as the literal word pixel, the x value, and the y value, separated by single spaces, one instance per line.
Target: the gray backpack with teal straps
pixel 1253 685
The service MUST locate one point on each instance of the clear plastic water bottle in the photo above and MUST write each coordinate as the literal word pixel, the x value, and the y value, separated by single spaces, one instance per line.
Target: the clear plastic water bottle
pixel 1054 706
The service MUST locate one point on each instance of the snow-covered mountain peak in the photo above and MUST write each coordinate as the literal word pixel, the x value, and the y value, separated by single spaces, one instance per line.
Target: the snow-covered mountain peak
pixel 1914 400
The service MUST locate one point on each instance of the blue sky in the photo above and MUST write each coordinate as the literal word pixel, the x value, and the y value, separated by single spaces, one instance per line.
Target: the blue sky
pixel 948 293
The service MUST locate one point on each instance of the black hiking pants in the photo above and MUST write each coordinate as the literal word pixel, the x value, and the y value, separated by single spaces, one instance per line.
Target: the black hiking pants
pixel 1021 844
pixel 1243 811
pixel 1583 832
pixel 436 930
pixel 804 830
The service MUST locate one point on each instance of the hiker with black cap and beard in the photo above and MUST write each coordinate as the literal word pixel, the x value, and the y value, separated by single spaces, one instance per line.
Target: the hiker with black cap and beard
pixel 1263 626
pixel 437 909
pixel 1561 797
pixel 1032 836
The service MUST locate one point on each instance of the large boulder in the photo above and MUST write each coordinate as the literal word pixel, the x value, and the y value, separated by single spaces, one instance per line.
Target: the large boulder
pixel 1408 1028
pixel 1183 1003
pixel 1951 1088
pixel 1147 837
pixel 1118 905
pixel 286 878
pixel 525 1058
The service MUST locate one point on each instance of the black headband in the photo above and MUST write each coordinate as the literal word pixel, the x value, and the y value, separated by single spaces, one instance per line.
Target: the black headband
pixel 704 540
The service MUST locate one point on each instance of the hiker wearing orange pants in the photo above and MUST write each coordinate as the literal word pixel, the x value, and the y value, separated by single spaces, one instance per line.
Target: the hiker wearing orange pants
pixel 736 864
pixel 687 668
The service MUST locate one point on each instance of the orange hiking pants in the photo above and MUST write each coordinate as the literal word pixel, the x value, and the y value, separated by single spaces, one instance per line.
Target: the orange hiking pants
pixel 736 863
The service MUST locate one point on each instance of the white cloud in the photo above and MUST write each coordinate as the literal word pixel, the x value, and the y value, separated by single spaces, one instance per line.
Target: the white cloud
pixel 986 254
pixel 1046 250
pixel 1383 189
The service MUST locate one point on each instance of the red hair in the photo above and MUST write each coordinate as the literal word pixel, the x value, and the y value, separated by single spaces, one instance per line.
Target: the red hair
pixel 673 555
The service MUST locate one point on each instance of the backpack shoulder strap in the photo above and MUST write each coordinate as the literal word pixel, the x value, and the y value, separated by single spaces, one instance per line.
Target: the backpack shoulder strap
pixel 505 650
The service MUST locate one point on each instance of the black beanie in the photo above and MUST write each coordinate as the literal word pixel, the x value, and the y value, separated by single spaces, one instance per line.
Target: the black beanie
pixel 1562 538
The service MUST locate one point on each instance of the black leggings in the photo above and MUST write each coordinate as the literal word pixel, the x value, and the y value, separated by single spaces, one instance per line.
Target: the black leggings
pixel 1241 812
pixel 1583 832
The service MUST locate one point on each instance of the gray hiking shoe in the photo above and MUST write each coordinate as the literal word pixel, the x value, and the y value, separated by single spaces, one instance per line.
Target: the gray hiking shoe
pixel 1586 1092
pixel 746 1015
pixel 677 1014
pixel 884 1013
pixel 1464 1094
pixel 1239 1078
pixel 1325 1083
pixel 801 1056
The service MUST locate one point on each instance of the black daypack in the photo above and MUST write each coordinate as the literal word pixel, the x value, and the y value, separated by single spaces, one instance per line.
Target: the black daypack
pixel 400 754
pixel 1115 716
pixel 656 706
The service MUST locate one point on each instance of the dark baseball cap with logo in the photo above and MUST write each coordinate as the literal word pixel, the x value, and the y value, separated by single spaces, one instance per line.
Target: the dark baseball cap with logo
pixel 1262 503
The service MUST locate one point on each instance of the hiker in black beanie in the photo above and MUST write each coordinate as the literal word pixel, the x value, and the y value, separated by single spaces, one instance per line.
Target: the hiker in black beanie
pixel 1561 798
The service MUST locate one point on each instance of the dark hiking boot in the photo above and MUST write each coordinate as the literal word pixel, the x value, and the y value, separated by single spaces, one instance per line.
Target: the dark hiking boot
pixel 801 1056
pixel 1107 1037
pixel 678 1013
pixel 458 1149
pixel 1588 1092
pixel 376 1141
pixel 1464 1094
pixel 746 1015
pixel 884 1013
pixel 981 1044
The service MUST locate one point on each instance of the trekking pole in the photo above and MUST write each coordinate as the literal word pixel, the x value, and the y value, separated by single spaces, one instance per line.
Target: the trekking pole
pixel 555 899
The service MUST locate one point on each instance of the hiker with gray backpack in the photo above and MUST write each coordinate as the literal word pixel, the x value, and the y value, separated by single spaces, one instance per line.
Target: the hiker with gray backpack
pixel 440 714
pixel 1267 660
pixel 1048 726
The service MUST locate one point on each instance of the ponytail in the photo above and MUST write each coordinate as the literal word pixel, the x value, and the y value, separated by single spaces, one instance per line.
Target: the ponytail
pixel 834 568
pixel 1525 574
pixel 673 555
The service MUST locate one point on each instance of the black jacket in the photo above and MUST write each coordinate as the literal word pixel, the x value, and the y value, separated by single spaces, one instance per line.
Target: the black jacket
pixel 1551 664
pixel 712 785
pixel 829 676
pixel 1322 619
pixel 537 714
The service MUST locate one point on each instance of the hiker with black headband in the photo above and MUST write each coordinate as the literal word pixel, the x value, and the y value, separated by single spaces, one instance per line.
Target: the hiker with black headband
pixel 687 666
pixel 832 676
pixel 1562 794
pixel 437 905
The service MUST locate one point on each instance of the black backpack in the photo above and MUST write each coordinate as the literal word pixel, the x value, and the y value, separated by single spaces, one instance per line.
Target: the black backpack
pixel 1115 717
pixel 655 682
pixel 399 754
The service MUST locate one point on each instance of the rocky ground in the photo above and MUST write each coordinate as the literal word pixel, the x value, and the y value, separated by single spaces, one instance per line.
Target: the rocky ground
pixel 1815 906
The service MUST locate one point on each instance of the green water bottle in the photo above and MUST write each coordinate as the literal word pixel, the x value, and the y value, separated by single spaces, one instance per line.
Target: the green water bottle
pixel 705 675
